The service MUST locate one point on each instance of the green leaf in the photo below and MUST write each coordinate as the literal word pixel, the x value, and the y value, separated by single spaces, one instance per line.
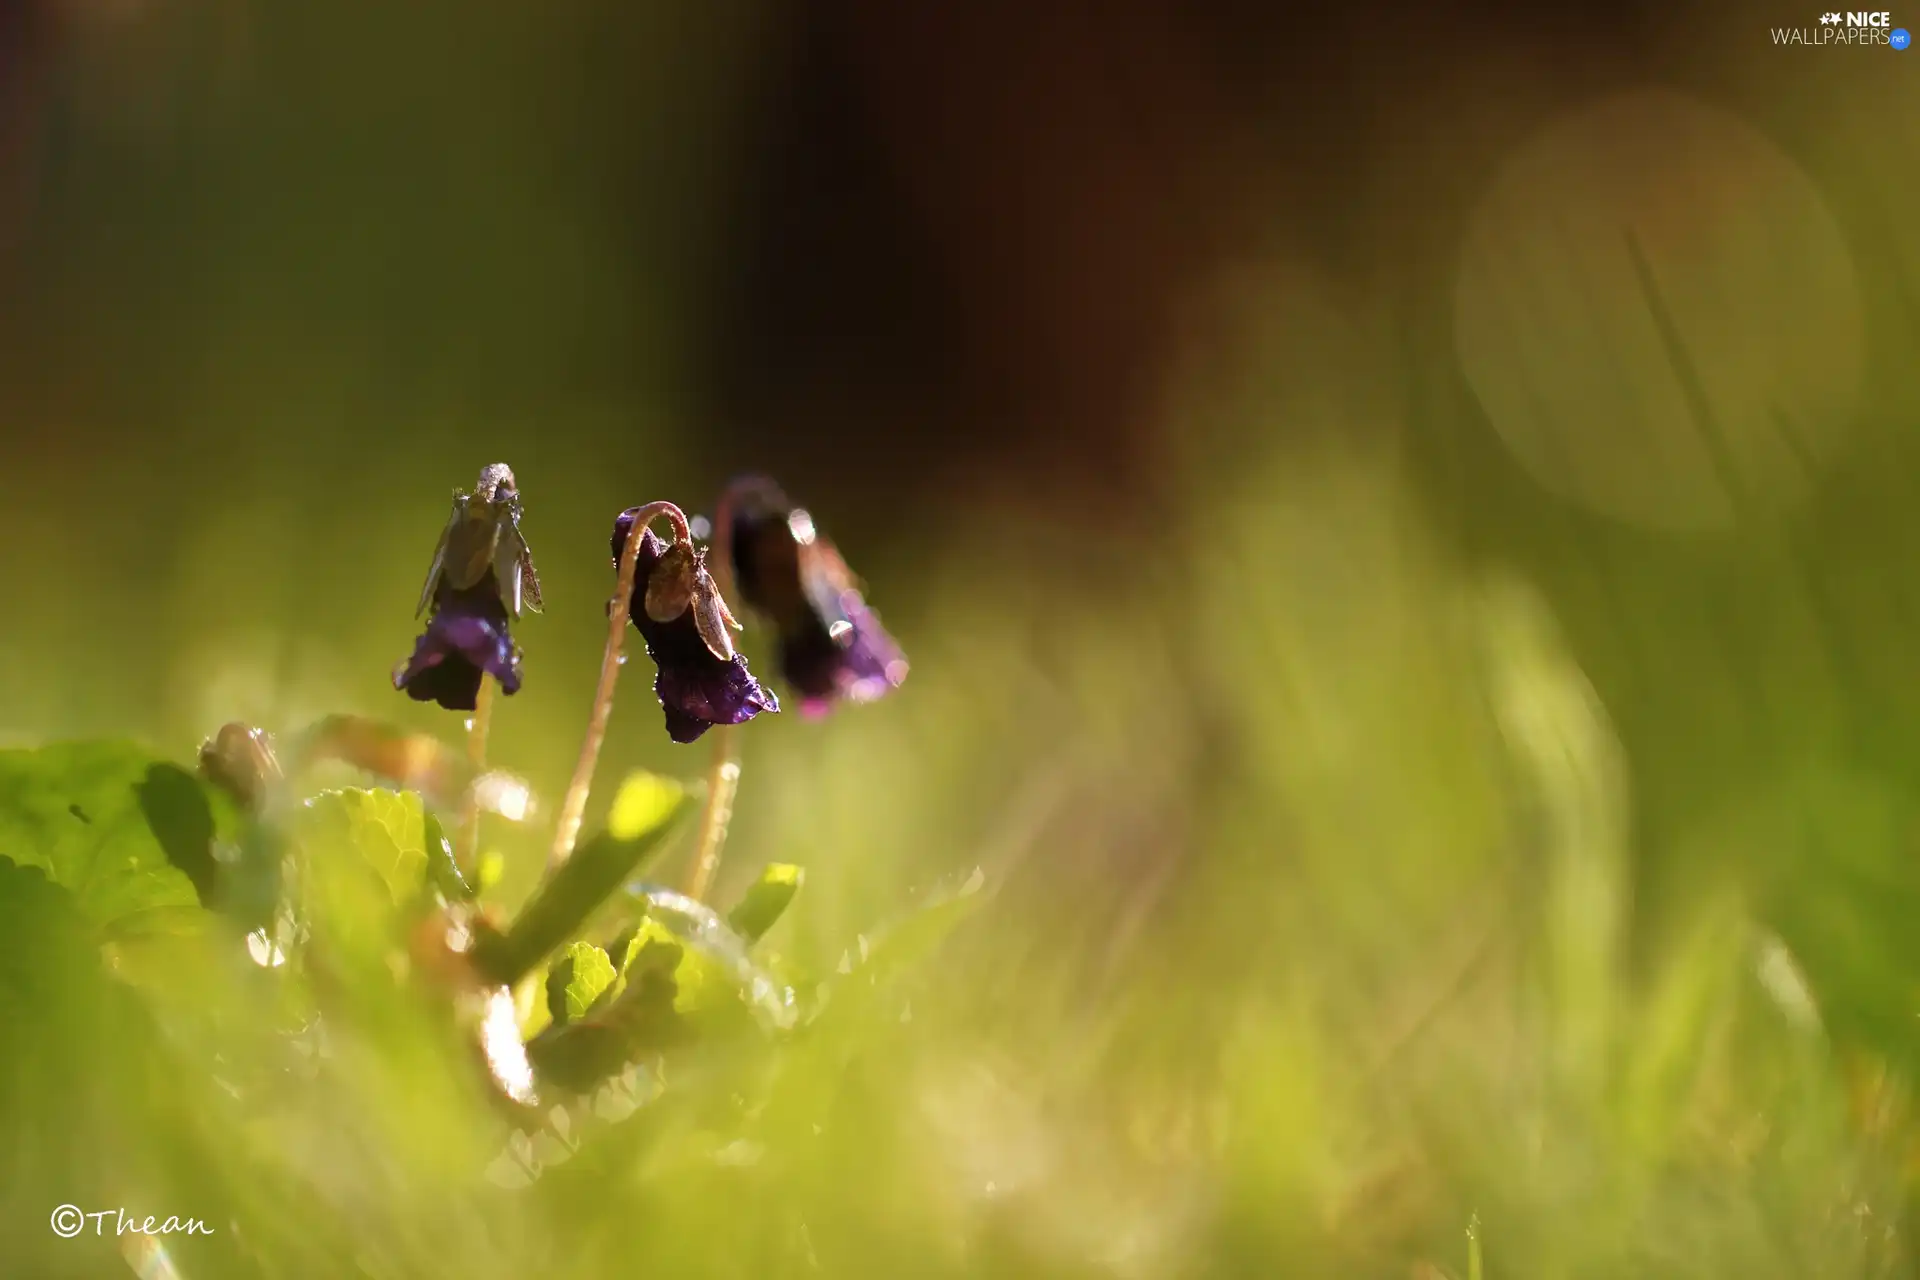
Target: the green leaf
pixel 47 954
pixel 180 815
pixel 641 1018
pixel 359 857
pixel 442 866
pixel 80 812
pixel 698 982
pixel 384 830
pixel 913 939
pixel 577 981
pixel 766 900
pixel 487 876
pixel 74 1086
pixel 645 803
pixel 683 974
pixel 153 923
pixel 562 905
pixel 903 948
pixel 579 1056
pixel 718 978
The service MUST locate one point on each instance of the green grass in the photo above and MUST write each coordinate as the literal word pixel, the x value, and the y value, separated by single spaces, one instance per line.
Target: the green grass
pixel 1300 929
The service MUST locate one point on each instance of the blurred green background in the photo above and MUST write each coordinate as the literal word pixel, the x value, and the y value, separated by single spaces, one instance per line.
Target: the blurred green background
pixel 1369 497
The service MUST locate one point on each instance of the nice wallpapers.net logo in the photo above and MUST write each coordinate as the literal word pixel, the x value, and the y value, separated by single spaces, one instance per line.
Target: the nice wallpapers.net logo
pixel 1848 31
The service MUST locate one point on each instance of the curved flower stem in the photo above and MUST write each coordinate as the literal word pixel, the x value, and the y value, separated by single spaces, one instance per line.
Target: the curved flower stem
pixel 574 806
pixel 720 545
pixel 466 848
pixel 723 776
pixel 723 780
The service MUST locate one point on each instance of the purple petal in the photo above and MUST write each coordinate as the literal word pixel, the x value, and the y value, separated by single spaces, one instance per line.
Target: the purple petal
pixel 859 664
pixel 467 636
pixel 696 697
pixel 871 664
pixel 832 646
pixel 696 689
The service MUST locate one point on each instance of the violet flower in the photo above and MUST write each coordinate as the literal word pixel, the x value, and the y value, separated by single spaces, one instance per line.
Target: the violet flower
pixel 832 646
pixel 482 572
pixel 466 637
pixel 679 613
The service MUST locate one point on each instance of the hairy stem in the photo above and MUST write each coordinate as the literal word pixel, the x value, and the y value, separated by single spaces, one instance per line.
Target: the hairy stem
pixel 574 806
pixel 723 775
pixel 466 845
pixel 723 780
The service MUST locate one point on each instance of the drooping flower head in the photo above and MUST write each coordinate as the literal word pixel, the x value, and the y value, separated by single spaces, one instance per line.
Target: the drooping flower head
pixel 482 576
pixel 678 610
pixel 832 646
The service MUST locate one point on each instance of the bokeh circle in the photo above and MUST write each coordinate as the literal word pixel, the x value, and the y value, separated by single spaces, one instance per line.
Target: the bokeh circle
pixel 1659 315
